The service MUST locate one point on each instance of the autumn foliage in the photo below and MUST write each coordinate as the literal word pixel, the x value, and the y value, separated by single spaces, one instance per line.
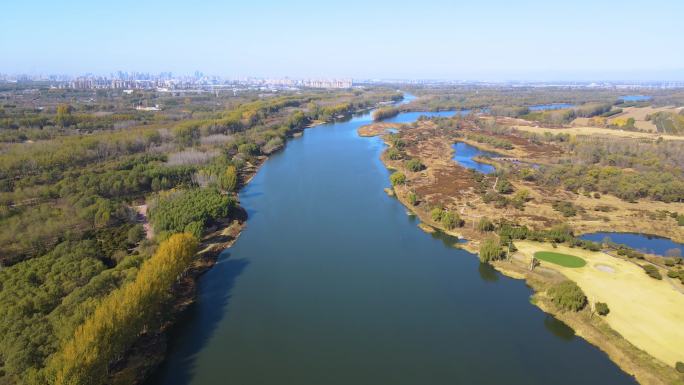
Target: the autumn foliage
pixel 121 317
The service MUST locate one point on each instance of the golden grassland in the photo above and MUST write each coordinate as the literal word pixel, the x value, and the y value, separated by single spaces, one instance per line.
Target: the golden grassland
pixel 647 312
pixel 639 115
pixel 608 132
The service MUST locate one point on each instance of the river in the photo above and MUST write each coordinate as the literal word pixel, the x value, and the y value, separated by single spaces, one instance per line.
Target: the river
pixel 332 283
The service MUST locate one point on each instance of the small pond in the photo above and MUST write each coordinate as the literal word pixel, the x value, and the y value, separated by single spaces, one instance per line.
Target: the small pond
pixel 464 156
pixel 643 242
pixel 635 98
pixel 548 107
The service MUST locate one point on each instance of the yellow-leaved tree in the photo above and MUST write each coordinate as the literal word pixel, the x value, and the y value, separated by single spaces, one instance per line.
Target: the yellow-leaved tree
pixel 121 317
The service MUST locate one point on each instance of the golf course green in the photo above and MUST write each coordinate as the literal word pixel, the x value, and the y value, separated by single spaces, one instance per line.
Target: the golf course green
pixel 564 260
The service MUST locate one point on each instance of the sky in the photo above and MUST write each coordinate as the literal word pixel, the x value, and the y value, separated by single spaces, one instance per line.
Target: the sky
pixel 428 39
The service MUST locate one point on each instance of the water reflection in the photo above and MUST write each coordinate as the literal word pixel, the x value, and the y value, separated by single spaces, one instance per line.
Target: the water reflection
pixel 559 328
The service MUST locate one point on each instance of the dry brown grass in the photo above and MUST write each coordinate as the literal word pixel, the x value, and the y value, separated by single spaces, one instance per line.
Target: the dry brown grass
pixel 376 129
pixel 639 115
pixel 606 132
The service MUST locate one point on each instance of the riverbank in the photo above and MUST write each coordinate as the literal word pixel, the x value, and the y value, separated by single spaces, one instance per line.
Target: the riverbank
pixel 151 349
pixel 442 179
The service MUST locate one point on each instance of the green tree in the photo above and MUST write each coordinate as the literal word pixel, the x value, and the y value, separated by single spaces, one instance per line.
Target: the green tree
pixel 64 117
pixel 393 153
pixel 602 308
pixel 490 250
pixel 412 198
pixel 397 178
pixel 414 165
pixel 451 220
pixel 568 296
pixel 503 186
pixel 436 214
pixel 228 179
pixel 485 225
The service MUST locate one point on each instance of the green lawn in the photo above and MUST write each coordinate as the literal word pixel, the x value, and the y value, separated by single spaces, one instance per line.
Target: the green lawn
pixel 564 260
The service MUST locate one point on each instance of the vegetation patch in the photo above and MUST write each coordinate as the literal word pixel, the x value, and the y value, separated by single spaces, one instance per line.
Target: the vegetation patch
pixel 602 308
pixel 568 296
pixel 652 272
pixel 564 260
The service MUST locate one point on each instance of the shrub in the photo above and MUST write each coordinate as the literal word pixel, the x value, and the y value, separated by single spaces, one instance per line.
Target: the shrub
pixel 413 198
pixel 673 274
pixel 504 186
pixel 565 208
pixel 679 366
pixel 248 149
pixel 490 250
pixel 602 308
pixel 384 113
pixel 393 154
pixel 175 211
pixel 520 197
pixel 135 234
pixel 414 165
pixel 568 296
pixel 436 214
pixel 450 220
pixel 397 178
pixel 652 271
pixel 485 225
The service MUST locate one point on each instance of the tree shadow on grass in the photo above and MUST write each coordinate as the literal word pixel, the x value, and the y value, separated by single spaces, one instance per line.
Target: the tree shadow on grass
pixel 195 328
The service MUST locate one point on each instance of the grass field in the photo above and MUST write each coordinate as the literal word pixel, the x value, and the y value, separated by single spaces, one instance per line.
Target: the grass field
pixel 647 312
pixel 564 260
pixel 599 131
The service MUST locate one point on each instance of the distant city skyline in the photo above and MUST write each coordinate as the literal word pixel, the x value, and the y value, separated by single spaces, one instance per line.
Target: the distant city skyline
pixel 493 40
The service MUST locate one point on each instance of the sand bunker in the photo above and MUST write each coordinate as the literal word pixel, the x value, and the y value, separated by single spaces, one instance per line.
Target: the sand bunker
pixel 605 268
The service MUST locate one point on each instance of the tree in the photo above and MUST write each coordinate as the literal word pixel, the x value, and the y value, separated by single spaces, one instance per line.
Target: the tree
pixel 504 186
pixel 485 225
pixel 568 296
pixel 652 272
pixel 519 198
pixel 393 154
pixel 187 133
pixel 64 117
pixel 248 149
pixel 412 198
pixel 436 214
pixel 450 220
pixel 397 178
pixel 601 308
pixel 490 250
pixel 414 165
pixel 135 234
pixel 121 317
pixel 228 180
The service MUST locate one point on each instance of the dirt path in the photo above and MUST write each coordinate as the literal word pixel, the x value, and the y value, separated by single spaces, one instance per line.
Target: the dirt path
pixel 142 219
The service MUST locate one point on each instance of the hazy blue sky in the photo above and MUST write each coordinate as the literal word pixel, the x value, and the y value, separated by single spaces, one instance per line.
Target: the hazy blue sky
pixel 482 39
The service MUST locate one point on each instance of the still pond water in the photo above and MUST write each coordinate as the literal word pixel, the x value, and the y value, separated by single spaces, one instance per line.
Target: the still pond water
pixel 643 242
pixel 332 283
pixel 549 107
pixel 464 154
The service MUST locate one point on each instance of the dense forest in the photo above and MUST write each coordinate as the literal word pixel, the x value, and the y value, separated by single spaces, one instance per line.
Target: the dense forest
pixel 74 174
